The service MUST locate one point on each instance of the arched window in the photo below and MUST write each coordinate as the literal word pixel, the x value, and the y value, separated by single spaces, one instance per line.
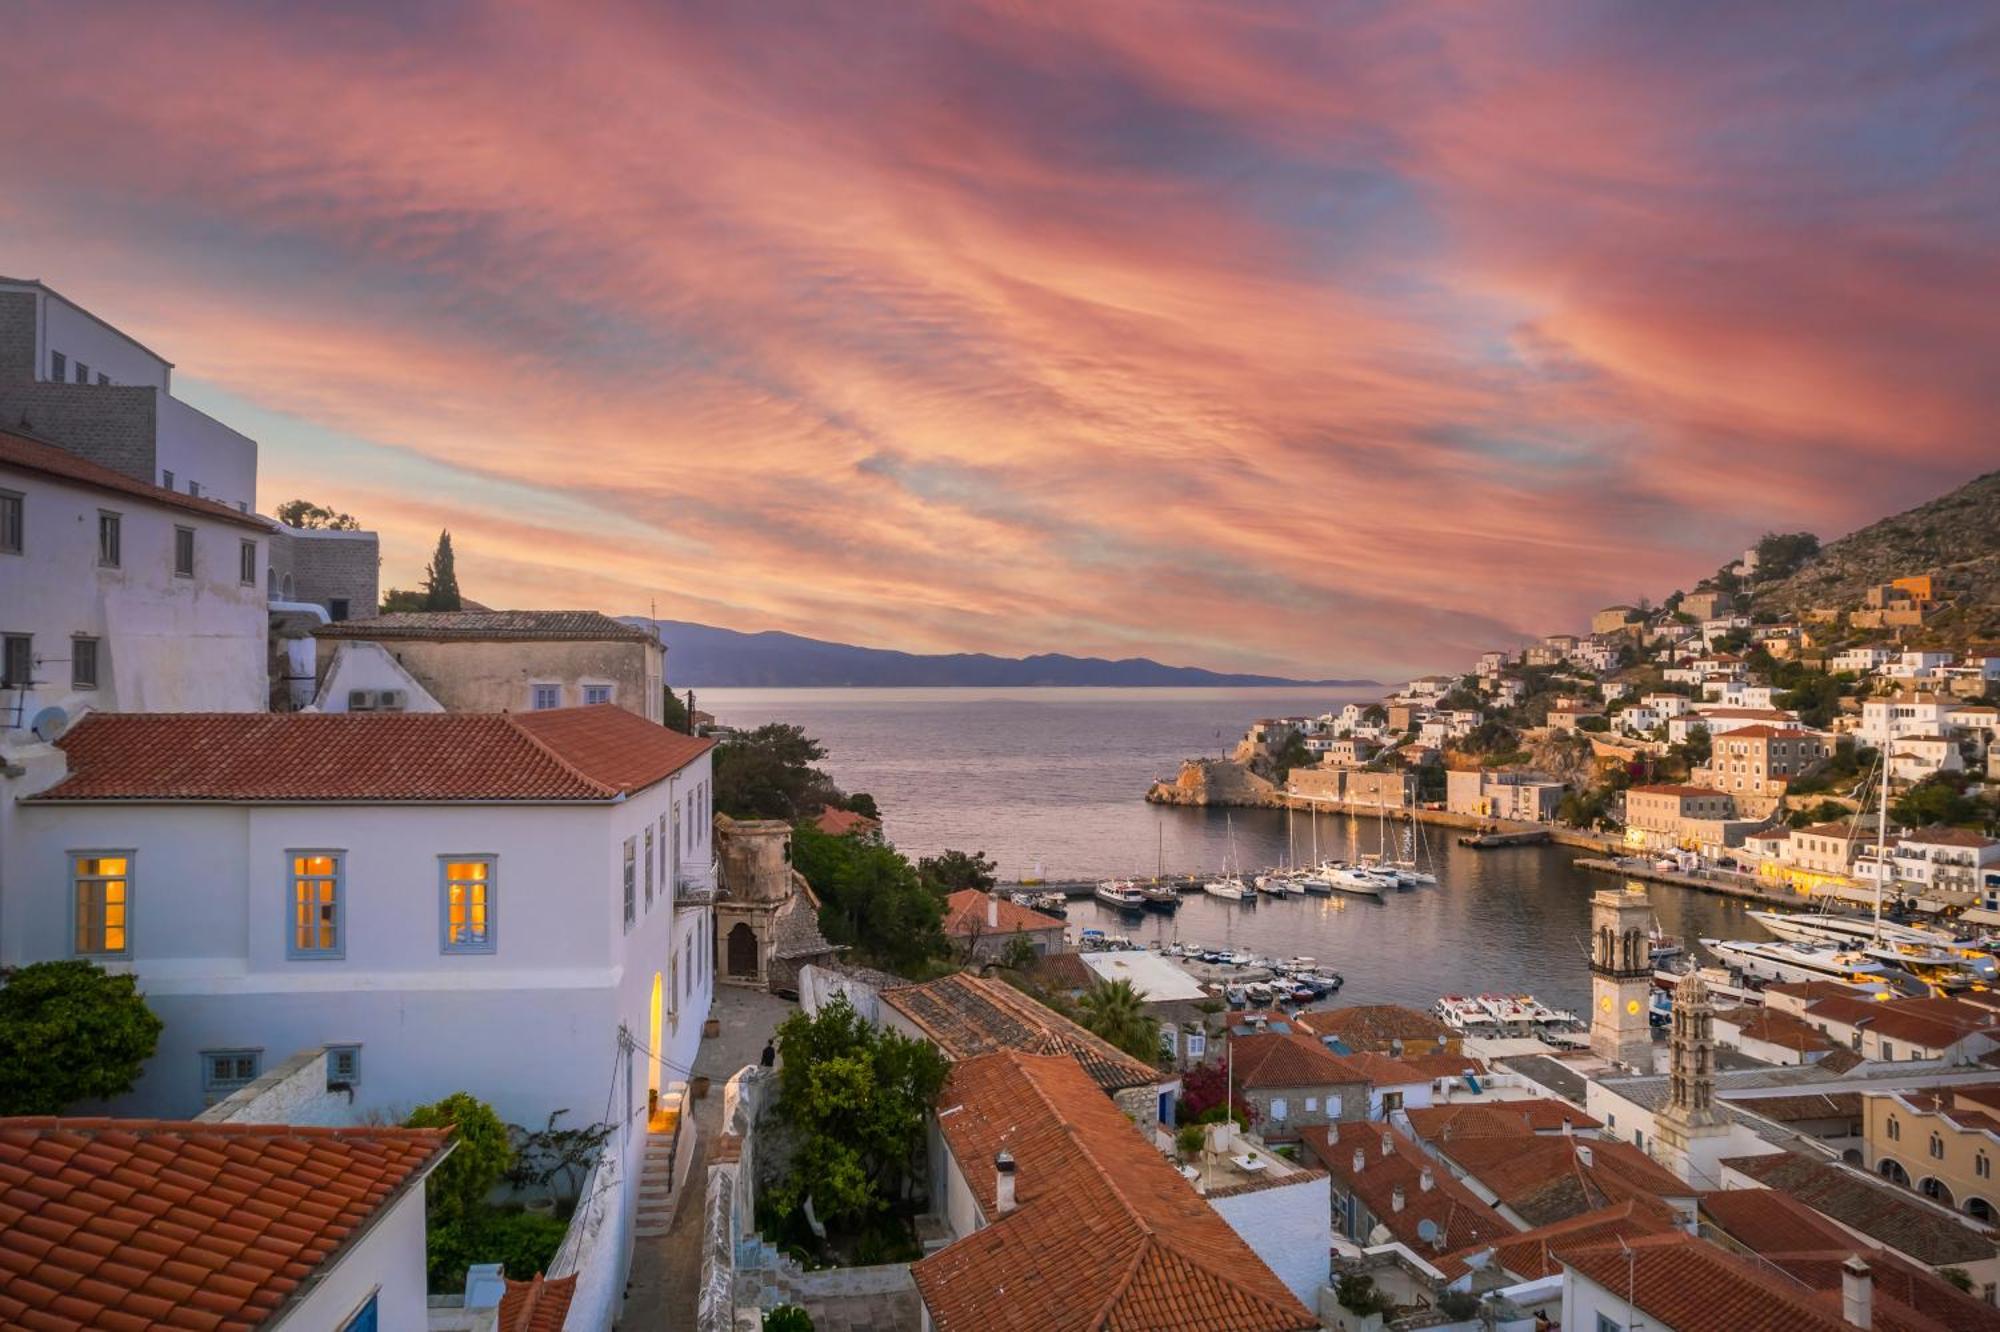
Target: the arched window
pixel 1895 1130
pixel 1937 1147
pixel 1979 1209
pixel 1982 1166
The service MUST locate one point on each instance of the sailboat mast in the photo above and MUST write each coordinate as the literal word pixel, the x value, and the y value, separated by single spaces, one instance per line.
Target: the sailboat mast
pixel 1881 847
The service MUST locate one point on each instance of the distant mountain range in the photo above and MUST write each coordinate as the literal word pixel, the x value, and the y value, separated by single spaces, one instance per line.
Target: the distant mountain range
pixel 703 656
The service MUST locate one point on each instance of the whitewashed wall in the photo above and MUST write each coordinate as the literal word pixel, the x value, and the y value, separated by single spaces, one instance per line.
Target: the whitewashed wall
pixel 1289 1226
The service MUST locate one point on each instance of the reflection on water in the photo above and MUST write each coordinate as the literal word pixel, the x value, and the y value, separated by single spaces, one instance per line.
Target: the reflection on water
pixel 1054 777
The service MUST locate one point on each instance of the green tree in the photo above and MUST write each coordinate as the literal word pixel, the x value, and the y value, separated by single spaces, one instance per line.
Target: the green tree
pixel 401 599
pixel 855 1099
pixel 674 715
pixel 769 773
pixel 457 1189
pixel 862 803
pixel 949 872
pixel 441 578
pixel 870 899
pixel 521 1242
pixel 1117 1013
pixel 1938 800
pixel 304 513
pixel 1780 554
pixel 70 1031
pixel 787 1318
pixel 1019 954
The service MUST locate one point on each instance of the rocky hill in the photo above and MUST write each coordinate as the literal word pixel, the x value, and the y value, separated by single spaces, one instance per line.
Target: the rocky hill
pixel 1956 536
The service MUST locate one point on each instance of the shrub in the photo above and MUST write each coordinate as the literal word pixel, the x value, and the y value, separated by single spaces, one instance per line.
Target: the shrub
pixel 70 1031
pixel 787 1318
pixel 521 1242
pixel 460 1184
pixel 1458 1304
pixel 1357 1292
pixel 1189 1139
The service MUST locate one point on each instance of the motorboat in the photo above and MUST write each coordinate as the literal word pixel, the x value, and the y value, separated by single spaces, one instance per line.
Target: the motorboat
pixel 1279 883
pixel 1785 961
pixel 1461 1013
pixel 1120 893
pixel 1355 879
pixel 1824 927
pixel 1311 882
pixel 1235 996
pixel 1159 896
pixel 1049 904
pixel 1727 986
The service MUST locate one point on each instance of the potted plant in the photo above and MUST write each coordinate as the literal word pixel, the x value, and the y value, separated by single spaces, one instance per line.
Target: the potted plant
pixel 711 1029
pixel 698 1086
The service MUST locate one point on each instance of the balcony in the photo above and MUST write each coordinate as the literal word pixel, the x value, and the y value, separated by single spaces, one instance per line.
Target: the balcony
pixel 697 887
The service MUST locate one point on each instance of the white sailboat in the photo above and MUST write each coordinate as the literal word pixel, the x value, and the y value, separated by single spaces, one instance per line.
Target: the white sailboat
pixel 1230 887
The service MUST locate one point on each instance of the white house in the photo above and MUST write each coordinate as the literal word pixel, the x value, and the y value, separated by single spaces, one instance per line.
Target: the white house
pixel 119 595
pixel 516 906
pixel 1862 660
pixel 107 396
pixel 1886 719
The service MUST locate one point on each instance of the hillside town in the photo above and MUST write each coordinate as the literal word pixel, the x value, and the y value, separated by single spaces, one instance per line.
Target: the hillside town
pixel 402 968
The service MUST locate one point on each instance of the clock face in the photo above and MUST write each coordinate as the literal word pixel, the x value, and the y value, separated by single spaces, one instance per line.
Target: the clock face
pixel 1632 1005
pixel 1605 1003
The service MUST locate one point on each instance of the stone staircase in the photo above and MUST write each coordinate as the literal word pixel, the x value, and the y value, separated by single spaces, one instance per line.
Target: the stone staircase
pixel 657 1186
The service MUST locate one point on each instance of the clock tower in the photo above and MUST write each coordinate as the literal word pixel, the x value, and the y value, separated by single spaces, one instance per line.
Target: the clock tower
pixel 1621 976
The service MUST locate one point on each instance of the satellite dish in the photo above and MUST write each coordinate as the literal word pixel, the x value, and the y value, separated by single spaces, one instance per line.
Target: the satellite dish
pixel 1427 1231
pixel 49 724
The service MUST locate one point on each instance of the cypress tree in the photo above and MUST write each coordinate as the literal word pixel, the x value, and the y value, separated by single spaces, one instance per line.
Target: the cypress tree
pixel 441 578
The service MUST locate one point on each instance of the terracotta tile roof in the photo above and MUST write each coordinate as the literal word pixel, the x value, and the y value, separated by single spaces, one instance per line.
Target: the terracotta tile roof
pixel 540 1305
pixel 1684 1282
pixel 1942 836
pixel 1530 1255
pixel 1906 1296
pixel 1496 1119
pixel 1764 731
pixel 966 1016
pixel 1462 1220
pixel 1770 1221
pixel 1279 1060
pixel 1841 1060
pixel 1804 1105
pixel 1546 1179
pixel 1062 971
pixel 32 455
pixel 582 754
pixel 490 625
pixel 1879 1211
pixel 140 1223
pixel 1776 1028
pixel 841 822
pixel 1370 1026
pixel 965 914
pixel 1105 1233
pixel 1930 1023
pixel 1400 1070
pixel 1674 789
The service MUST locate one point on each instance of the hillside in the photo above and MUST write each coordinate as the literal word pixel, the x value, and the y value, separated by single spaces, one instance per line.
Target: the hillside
pixel 1956 535
pixel 703 656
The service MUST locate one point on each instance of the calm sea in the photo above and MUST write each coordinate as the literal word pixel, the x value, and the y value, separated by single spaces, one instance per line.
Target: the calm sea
pixel 1053 780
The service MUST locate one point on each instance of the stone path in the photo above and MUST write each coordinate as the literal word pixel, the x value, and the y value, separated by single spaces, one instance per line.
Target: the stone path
pixel 666 1269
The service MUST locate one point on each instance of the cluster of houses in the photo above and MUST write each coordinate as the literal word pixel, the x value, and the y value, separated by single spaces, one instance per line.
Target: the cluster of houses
pixel 1643 682
pixel 356 862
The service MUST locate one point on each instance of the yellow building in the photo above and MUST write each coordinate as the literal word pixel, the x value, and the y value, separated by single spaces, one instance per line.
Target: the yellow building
pixel 1942 1142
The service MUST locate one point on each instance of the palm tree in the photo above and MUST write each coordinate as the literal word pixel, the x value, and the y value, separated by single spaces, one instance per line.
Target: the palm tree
pixel 1117 1013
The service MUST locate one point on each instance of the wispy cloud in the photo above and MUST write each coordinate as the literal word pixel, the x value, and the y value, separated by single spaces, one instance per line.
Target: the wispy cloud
pixel 1323 339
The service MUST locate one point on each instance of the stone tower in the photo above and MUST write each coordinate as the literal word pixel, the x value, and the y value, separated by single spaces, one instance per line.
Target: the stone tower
pixel 1689 1121
pixel 1621 976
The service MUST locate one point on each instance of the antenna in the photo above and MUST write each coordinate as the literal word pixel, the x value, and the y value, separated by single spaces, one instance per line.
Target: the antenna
pixel 49 725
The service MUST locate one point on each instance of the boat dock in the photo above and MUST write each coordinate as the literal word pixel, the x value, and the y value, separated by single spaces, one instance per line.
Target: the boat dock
pixel 1180 883
pixel 1728 885
pixel 1487 841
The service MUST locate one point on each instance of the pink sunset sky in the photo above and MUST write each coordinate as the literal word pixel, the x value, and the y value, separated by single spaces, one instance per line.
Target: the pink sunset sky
pixel 1315 339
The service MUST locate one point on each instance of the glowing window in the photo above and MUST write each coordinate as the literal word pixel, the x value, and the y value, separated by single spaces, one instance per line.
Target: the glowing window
pixel 467 886
pixel 103 886
pixel 315 900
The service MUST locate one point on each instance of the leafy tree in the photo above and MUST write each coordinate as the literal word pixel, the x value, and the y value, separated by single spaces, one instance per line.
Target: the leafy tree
pixel 862 803
pixel 441 578
pixel 1294 754
pixel 1375 715
pixel 70 1031
pixel 523 1243
pixel 1938 800
pixel 1491 736
pixel 1815 697
pixel 674 713
pixel 401 599
pixel 1779 554
pixel 1117 1013
pixel 458 1187
pixel 787 1318
pixel 768 773
pixel 952 871
pixel 1188 1139
pixel 304 513
pixel 1019 954
pixel 1826 811
pixel 1202 1089
pixel 855 1098
pixel 1357 1292
pixel 870 899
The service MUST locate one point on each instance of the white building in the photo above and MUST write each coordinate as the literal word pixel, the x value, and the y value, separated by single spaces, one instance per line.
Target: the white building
pixel 1947 860
pixel 109 397
pixel 1862 660
pixel 1886 719
pixel 119 595
pixel 492 904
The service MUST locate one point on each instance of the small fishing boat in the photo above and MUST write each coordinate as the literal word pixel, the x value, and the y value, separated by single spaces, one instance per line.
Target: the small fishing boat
pixel 1235 996
pixel 1120 893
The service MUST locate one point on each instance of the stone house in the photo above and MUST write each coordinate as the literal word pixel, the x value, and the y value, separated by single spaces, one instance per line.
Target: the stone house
pixel 1390 1029
pixel 981 926
pixel 766 917
pixel 1293 1082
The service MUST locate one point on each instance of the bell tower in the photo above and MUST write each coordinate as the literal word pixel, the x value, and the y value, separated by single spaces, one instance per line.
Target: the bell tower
pixel 1621 976
pixel 1690 1116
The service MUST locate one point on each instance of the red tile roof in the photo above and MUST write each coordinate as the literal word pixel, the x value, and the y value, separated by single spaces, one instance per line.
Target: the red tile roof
pixel 1530 1255
pixel 1547 1179
pixel 540 1305
pixel 1462 1220
pixel 139 1223
pixel 1776 1027
pixel 1496 1119
pixel 1931 1023
pixel 1893 1219
pixel 1908 1298
pixel 1675 789
pixel 512 626
pixel 965 914
pixel 1279 1060
pixel 1770 1221
pixel 570 754
pixel 1392 1071
pixel 1377 1026
pixel 966 1016
pixel 1105 1233
pixel 1684 1282
pixel 32 455
pixel 841 822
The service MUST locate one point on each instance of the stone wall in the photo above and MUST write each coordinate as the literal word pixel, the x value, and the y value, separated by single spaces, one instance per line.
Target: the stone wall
pixel 17 338
pixel 294 1092
pixel 327 566
pixel 481 675
pixel 115 426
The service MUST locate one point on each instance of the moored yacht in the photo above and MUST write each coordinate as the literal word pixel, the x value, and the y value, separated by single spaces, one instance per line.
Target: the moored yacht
pixel 1355 879
pixel 1120 893
pixel 1823 927
pixel 1159 896
pixel 1783 960
pixel 1230 889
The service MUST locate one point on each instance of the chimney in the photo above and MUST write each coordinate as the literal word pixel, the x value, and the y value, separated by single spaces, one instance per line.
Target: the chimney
pixel 1583 1157
pixel 1396 1198
pixel 1388 1144
pixel 993 911
pixel 1332 1134
pixel 1003 1182
pixel 1569 1129
pixel 1857 1293
pixel 1360 1160
pixel 1426 1181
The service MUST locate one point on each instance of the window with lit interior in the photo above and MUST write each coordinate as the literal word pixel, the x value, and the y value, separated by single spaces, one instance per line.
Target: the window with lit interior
pixel 103 887
pixel 467 885
pixel 316 892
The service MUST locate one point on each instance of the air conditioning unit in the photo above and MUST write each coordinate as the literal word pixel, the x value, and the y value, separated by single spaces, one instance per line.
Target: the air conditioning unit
pixel 392 700
pixel 361 700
